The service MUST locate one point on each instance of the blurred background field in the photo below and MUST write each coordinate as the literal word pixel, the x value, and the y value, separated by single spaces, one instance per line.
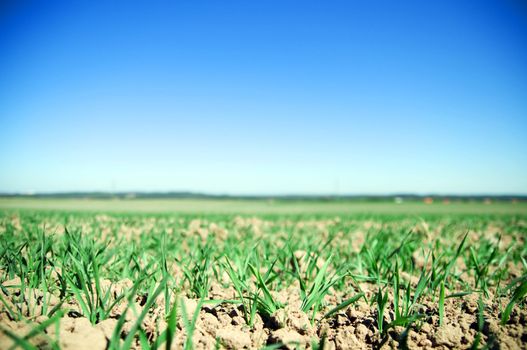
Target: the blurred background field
pixel 262 206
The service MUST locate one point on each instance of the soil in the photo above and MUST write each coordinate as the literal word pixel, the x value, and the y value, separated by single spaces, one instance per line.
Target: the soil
pixel 352 328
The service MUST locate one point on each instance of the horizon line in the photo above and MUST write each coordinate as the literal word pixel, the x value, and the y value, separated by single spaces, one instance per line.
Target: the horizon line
pixel 197 194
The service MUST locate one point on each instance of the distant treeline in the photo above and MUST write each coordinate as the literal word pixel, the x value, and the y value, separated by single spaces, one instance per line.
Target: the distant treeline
pixel 193 195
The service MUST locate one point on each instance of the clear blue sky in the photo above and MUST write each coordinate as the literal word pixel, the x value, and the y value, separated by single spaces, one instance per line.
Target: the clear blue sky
pixel 264 97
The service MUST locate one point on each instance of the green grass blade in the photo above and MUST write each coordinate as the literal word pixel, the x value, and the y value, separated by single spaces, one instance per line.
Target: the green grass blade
pixel 343 305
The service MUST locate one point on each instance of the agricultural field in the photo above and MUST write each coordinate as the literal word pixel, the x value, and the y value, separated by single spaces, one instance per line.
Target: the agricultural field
pixel 261 275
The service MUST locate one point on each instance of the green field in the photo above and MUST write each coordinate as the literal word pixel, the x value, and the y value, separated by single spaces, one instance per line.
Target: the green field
pixel 241 206
pixel 250 274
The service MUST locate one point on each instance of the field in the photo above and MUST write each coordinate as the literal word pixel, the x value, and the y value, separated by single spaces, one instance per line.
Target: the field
pixel 183 274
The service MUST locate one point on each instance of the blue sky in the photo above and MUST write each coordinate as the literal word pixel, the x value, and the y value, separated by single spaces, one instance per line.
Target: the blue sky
pixel 264 97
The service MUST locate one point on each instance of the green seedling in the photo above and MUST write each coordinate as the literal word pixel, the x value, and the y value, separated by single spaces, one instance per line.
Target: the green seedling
pixel 517 296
